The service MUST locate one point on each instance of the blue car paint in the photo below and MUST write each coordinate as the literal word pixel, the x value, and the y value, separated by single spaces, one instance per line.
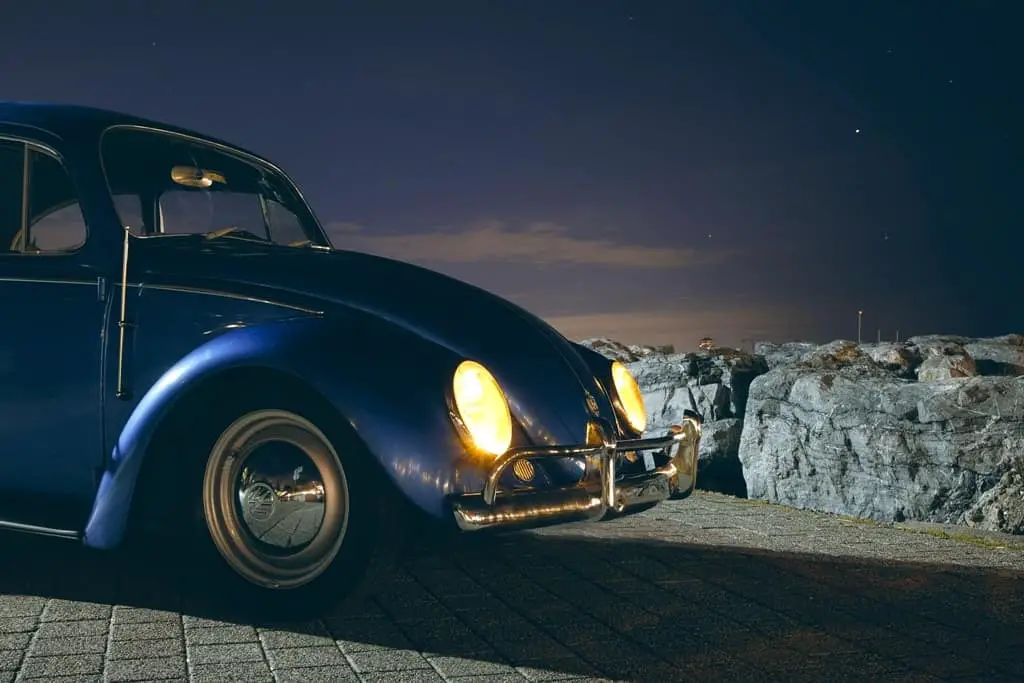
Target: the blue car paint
pixel 525 355
pixel 410 384
pixel 30 401
pixel 377 338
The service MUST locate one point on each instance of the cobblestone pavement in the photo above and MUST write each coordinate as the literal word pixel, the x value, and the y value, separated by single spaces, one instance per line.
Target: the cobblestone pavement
pixel 711 588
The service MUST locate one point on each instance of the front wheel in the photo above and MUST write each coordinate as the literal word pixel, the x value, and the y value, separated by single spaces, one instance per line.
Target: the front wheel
pixel 299 519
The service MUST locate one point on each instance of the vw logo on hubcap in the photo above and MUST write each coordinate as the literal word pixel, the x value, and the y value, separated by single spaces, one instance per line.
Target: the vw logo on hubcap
pixel 259 501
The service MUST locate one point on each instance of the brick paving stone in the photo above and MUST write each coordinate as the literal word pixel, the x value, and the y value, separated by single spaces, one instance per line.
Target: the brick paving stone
pixel 334 674
pixel 146 669
pixel 61 665
pixel 47 647
pixel 287 639
pixel 73 629
pixel 225 654
pixel 10 660
pixel 238 672
pixel 305 657
pixel 160 630
pixel 145 649
pixel 711 588
pixel 14 641
pixel 451 667
pixel 220 635
pixel 66 610
pixel 376 661
pixel 18 625
pixel 416 676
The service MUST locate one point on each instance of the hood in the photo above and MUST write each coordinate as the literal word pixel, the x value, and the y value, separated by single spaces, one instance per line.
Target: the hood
pixel 544 377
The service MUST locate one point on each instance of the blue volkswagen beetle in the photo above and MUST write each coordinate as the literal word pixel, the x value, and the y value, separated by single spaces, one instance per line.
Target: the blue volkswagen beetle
pixel 184 350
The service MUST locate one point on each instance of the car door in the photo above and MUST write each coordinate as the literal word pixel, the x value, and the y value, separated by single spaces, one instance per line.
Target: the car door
pixel 51 323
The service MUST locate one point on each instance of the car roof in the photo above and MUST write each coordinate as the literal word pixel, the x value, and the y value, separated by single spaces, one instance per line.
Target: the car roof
pixel 72 122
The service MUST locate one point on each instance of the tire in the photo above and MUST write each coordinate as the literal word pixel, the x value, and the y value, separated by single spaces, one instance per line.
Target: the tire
pixel 293 513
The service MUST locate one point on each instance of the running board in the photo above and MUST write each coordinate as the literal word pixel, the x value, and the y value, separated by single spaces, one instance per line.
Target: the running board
pixel 39 530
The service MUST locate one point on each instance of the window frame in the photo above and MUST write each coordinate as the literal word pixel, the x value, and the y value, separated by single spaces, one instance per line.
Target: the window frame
pixel 28 144
pixel 322 241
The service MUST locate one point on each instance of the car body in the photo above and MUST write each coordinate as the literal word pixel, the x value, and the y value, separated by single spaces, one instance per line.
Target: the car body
pixel 148 350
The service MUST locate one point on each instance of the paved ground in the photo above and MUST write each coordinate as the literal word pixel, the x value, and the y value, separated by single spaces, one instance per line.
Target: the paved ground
pixel 705 589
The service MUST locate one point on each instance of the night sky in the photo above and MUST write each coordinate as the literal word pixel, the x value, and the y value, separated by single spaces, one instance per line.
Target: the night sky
pixel 650 171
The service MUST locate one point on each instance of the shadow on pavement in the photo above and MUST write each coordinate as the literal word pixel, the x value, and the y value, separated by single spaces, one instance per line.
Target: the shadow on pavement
pixel 634 609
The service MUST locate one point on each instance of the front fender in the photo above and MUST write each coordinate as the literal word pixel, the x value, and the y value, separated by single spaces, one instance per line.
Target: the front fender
pixel 387 382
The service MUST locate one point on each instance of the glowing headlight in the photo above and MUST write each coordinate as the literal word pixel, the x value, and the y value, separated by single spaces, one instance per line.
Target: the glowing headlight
pixel 482 407
pixel 629 396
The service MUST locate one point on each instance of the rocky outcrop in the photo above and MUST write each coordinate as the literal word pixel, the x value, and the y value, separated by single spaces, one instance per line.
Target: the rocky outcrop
pixel 627 353
pixel 929 429
pixel 782 354
pixel 890 433
pixel 998 356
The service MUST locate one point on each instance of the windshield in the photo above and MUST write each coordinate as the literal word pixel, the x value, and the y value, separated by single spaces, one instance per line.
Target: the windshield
pixel 167 185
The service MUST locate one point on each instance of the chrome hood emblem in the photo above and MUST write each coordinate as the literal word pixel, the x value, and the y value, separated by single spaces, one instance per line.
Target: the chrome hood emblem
pixel 592 408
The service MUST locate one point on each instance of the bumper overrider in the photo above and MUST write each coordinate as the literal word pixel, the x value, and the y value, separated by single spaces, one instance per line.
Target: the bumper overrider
pixel 599 490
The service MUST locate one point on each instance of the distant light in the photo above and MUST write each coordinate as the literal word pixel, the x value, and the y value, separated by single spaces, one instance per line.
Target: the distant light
pixel 857 131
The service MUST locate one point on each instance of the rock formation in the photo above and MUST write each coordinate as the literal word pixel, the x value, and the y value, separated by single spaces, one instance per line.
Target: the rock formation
pixel 893 432
pixel 928 429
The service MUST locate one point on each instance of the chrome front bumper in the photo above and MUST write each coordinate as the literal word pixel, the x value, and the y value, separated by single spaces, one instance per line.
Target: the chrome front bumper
pixel 598 491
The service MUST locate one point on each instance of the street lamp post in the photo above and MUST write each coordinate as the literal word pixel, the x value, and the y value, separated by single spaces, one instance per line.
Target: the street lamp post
pixel 860 316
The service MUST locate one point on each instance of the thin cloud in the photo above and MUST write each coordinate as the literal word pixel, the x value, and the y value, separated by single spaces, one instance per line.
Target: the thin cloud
pixel 537 243
pixel 684 328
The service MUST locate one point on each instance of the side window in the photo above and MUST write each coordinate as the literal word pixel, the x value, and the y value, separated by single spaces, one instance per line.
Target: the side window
pixel 50 221
pixel 12 160
pixel 285 226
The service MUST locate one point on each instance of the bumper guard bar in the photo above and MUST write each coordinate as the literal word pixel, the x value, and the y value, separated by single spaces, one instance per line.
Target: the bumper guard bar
pixel 598 491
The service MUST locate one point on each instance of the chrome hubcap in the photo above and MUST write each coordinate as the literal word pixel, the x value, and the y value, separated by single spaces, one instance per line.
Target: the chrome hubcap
pixel 276 499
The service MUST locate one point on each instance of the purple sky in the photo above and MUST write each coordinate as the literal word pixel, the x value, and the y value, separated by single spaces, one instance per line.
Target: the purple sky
pixel 649 171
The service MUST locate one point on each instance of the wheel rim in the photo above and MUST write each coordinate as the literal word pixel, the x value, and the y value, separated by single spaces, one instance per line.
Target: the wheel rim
pixel 276 499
